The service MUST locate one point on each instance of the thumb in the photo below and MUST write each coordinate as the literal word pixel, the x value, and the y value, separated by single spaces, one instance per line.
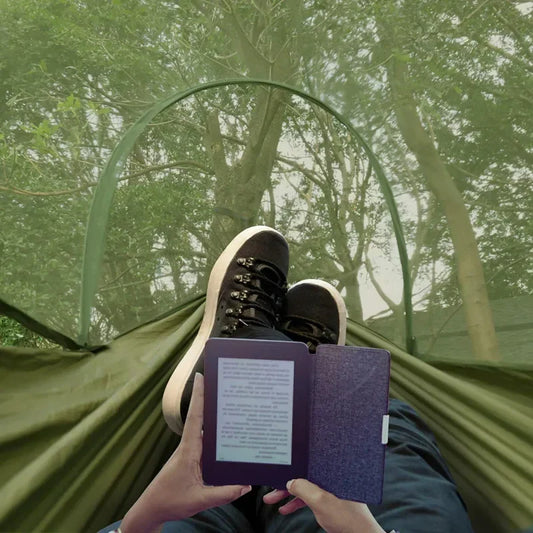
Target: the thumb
pixel 323 504
pixel 315 497
pixel 331 512
pixel 220 495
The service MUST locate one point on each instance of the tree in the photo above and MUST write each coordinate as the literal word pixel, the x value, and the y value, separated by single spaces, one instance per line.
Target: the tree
pixel 227 158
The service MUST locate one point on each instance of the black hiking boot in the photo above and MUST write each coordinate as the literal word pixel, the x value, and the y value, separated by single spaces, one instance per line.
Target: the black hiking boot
pixel 246 287
pixel 314 312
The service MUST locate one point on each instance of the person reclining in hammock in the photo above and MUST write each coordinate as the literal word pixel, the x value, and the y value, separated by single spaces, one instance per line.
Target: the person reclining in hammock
pixel 247 298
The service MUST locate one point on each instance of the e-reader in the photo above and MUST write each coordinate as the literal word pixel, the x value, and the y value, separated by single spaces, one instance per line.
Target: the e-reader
pixel 256 412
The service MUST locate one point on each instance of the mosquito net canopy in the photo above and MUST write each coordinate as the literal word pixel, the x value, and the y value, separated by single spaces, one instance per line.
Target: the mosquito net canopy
pixel 390 142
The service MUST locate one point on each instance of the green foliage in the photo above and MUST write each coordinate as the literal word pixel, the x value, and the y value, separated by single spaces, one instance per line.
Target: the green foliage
pixel 14 334
pixel 74 76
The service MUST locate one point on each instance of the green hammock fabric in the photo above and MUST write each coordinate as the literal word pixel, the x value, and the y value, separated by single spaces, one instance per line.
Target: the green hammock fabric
pixel 92 434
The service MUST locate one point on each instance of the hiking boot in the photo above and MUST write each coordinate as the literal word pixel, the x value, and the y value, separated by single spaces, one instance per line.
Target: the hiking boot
pixel 246 288
pixel 314 312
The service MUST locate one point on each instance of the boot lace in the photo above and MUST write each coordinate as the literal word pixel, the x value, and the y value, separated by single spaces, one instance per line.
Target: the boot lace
pixel 258 297
pixel 309 331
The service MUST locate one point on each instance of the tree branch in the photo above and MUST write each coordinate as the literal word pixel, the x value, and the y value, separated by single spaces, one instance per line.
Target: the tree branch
pixel 186 163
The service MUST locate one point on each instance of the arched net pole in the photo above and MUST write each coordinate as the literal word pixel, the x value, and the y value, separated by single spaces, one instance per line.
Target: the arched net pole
pixel 95 236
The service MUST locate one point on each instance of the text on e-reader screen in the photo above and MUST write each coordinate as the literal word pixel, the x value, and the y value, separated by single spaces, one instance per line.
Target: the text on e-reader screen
pixel 254 410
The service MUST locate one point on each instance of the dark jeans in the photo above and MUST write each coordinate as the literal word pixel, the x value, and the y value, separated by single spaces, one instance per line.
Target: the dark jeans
pixel 419 494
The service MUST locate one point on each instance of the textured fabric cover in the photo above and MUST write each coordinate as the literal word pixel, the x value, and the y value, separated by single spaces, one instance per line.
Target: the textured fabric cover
pixel 82 433
pixel 349 399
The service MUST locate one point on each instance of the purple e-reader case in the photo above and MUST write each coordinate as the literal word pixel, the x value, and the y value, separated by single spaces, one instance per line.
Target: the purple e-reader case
pixel 275 412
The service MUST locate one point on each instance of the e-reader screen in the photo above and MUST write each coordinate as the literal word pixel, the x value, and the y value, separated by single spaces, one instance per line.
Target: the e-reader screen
pixel 254 410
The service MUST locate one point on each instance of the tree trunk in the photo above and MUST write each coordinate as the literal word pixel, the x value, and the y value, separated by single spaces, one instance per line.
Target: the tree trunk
pixel 470 274
pixel 240 187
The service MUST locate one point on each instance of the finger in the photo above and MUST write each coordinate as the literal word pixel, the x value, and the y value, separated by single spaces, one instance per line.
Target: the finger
pixel 311 494
pixel 293 505
pixel 275 496
pixel 192 431
pixel 216 496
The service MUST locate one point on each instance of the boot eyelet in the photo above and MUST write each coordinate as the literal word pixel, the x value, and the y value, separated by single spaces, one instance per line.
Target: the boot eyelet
pixel 243 278
pixel 240 295
pixel 246 261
